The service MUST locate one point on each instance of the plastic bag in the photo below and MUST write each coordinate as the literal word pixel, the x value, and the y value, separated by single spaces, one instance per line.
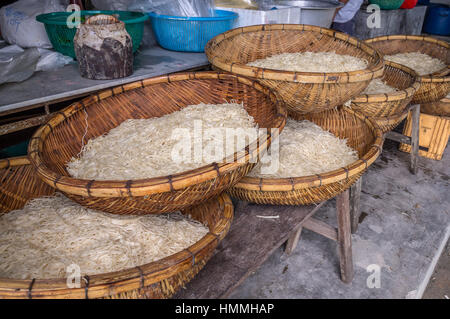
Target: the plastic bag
pixel 17 64
pixel 266 4
pixel 51 60
pixel 19 26
pixel 183 8
pixel 3 43
pixel 241 4
pixel 111 5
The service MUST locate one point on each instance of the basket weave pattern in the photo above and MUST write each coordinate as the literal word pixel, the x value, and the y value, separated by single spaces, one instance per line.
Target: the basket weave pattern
pixel 303 92
pixel 55 143
pixel 159 279
pixel 305 196
pixel 388 104
pixel 19 184
pixel 362 135
pixel 388 123
pixel 433 87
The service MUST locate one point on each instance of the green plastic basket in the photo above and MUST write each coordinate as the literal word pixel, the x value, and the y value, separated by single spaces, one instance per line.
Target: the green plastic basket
pixel 388 4
pixel 61 36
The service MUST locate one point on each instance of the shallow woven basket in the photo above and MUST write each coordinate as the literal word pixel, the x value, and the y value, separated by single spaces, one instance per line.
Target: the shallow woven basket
pixel 303 92
pixel 159 279
pixel 56 142
pixel 433 87
pixel 388 123
pixel 388 104
pixel 439 108
pixel 361 134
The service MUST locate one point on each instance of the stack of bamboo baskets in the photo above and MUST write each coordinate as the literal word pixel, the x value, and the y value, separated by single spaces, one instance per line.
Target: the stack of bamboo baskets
pixel 317 97
pixel 159 279
pixel 268 95
pixel 431 94
pixel 198 193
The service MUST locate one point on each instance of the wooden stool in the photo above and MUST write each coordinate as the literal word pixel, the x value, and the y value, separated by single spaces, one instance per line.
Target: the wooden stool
pixel 342 235
pixel 256 232
pixel 412 139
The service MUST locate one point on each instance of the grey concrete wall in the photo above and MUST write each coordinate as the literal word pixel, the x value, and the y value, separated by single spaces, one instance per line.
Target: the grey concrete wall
pixel 402 21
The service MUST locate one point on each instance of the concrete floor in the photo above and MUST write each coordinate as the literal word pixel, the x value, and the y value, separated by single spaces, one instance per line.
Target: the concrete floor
pixel 404 229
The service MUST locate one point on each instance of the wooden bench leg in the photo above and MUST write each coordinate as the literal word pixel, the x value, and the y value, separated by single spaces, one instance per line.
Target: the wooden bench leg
pixel 355 204
pixel 344 236
pixel 292 241
pixel 415 128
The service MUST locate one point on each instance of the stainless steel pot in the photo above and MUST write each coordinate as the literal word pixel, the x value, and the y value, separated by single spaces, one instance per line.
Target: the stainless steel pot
pixel 314 12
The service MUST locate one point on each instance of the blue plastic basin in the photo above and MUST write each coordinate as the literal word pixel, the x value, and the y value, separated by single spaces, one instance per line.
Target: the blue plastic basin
pixel 190 34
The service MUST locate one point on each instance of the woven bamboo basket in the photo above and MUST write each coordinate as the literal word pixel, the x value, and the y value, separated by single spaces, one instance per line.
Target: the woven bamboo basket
pixel 361 134
pixel 54 144
pixel 439 108
pixel 159 279
pixel 303 92
pixel 388 123
pixel 388 104
pixel 433 87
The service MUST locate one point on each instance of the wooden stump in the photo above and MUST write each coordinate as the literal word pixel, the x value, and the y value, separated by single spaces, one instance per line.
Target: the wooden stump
pixel 104 48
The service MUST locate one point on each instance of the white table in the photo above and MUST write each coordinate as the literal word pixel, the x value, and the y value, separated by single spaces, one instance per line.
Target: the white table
pixel 66 83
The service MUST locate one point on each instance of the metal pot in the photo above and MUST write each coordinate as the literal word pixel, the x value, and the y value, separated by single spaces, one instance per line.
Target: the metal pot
pixel 315 12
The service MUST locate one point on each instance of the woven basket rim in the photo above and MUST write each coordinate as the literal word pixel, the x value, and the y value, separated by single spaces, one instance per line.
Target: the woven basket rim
pixel 388 123
pixel 373 71
pixel 393 96
pixel 304 182
pixel 142 187
pixel 438 76
pixel 390 118
pixel 14 161
pixel 133 278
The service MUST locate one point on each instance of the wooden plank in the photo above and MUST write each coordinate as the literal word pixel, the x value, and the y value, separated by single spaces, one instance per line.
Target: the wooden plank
pixel 433 135
pixel 355 204
pixel 394 136
pixel 24 124
pixel 321 228
pixel 249 243
pixel 292 242
pixel 344 236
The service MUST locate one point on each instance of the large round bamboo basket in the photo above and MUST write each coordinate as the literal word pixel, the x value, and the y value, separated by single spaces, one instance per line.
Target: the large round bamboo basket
pixel 361 134
pixel 388 104
pixel 433 87
pixel 388 123
pixel 439 108
pixel 303 92
pixel 159 279
pixel 56 142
